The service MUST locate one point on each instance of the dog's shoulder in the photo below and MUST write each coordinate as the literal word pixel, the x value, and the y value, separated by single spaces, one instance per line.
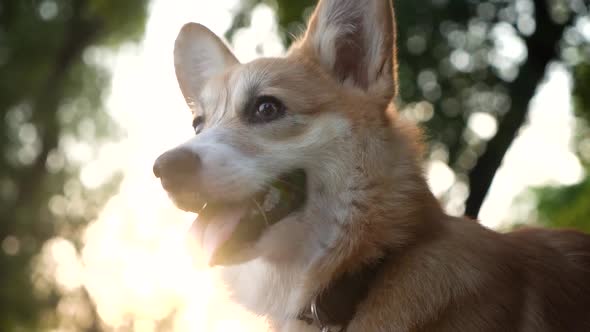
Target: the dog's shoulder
pixel 556 266
pixel 561 240
pixel 559 255
pixel 474 278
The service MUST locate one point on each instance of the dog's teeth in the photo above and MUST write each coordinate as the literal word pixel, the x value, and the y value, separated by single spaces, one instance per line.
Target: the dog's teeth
pixel 271 199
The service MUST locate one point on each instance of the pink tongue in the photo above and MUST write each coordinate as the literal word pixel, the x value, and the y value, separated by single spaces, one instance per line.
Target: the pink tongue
pixel 213 233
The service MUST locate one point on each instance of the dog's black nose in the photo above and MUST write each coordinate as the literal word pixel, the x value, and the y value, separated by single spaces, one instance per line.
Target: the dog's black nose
pixel 177 164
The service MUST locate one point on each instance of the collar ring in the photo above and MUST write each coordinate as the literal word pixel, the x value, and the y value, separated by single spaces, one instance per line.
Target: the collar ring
pixel 316 317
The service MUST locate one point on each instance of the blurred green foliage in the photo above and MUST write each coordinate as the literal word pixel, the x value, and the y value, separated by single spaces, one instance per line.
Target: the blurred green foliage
pixel 462 58
pixel 566 207
pixel 569 206
pixel 51 91
pixel 453 63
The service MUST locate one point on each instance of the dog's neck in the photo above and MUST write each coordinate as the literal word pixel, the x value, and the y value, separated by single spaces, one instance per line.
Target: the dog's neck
pixel 388 204
pixel 381 204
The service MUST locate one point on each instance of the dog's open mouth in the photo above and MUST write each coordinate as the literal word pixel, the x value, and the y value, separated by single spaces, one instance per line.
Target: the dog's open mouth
pixel 226 229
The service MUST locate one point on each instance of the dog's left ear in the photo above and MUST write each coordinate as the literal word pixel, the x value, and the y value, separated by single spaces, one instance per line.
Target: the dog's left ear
pixel 199 55
pixel 354 40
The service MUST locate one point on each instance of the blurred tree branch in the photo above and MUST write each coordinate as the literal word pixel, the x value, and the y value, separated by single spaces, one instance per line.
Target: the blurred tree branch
pixel 81 32
pixel 51 91
pixel 542 48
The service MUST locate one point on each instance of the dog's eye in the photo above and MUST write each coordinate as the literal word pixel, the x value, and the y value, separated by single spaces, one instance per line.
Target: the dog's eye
pixel 267 109
pixel 198 123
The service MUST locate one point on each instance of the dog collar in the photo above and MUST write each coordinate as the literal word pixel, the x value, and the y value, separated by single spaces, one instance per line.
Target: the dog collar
pixel 334 308
pixel 312 316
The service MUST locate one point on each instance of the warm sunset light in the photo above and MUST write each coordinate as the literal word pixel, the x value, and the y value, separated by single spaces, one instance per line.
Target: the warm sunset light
pixel 136 261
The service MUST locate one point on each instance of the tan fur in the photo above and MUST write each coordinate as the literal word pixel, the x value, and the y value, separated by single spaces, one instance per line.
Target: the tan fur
pixel 367 193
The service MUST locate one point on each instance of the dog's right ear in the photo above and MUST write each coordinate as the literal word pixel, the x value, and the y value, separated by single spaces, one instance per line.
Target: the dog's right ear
pixel 354 41
pixel 198 56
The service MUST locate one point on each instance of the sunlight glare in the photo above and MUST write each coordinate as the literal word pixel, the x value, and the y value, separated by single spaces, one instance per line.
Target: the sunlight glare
pixel 135 263
pixel 541 154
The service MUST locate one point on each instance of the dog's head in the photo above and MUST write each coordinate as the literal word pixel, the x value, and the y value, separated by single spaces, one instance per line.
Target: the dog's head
pixel 281 144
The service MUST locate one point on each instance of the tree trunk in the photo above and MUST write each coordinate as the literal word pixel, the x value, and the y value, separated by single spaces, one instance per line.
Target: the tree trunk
pixel 542 48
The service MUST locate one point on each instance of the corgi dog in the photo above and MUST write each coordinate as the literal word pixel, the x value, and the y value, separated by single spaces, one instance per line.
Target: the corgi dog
pixel 311 196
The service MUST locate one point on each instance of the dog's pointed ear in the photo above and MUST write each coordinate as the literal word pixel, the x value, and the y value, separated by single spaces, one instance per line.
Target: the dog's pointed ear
pixel 355 41
pixel 198 56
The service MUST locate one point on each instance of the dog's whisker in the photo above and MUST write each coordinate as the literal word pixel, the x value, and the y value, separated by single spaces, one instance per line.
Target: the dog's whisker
pixel 292 186
pixel 261 211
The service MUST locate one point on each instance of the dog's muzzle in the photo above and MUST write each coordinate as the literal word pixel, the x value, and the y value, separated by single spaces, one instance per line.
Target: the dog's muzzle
pixel 226 229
